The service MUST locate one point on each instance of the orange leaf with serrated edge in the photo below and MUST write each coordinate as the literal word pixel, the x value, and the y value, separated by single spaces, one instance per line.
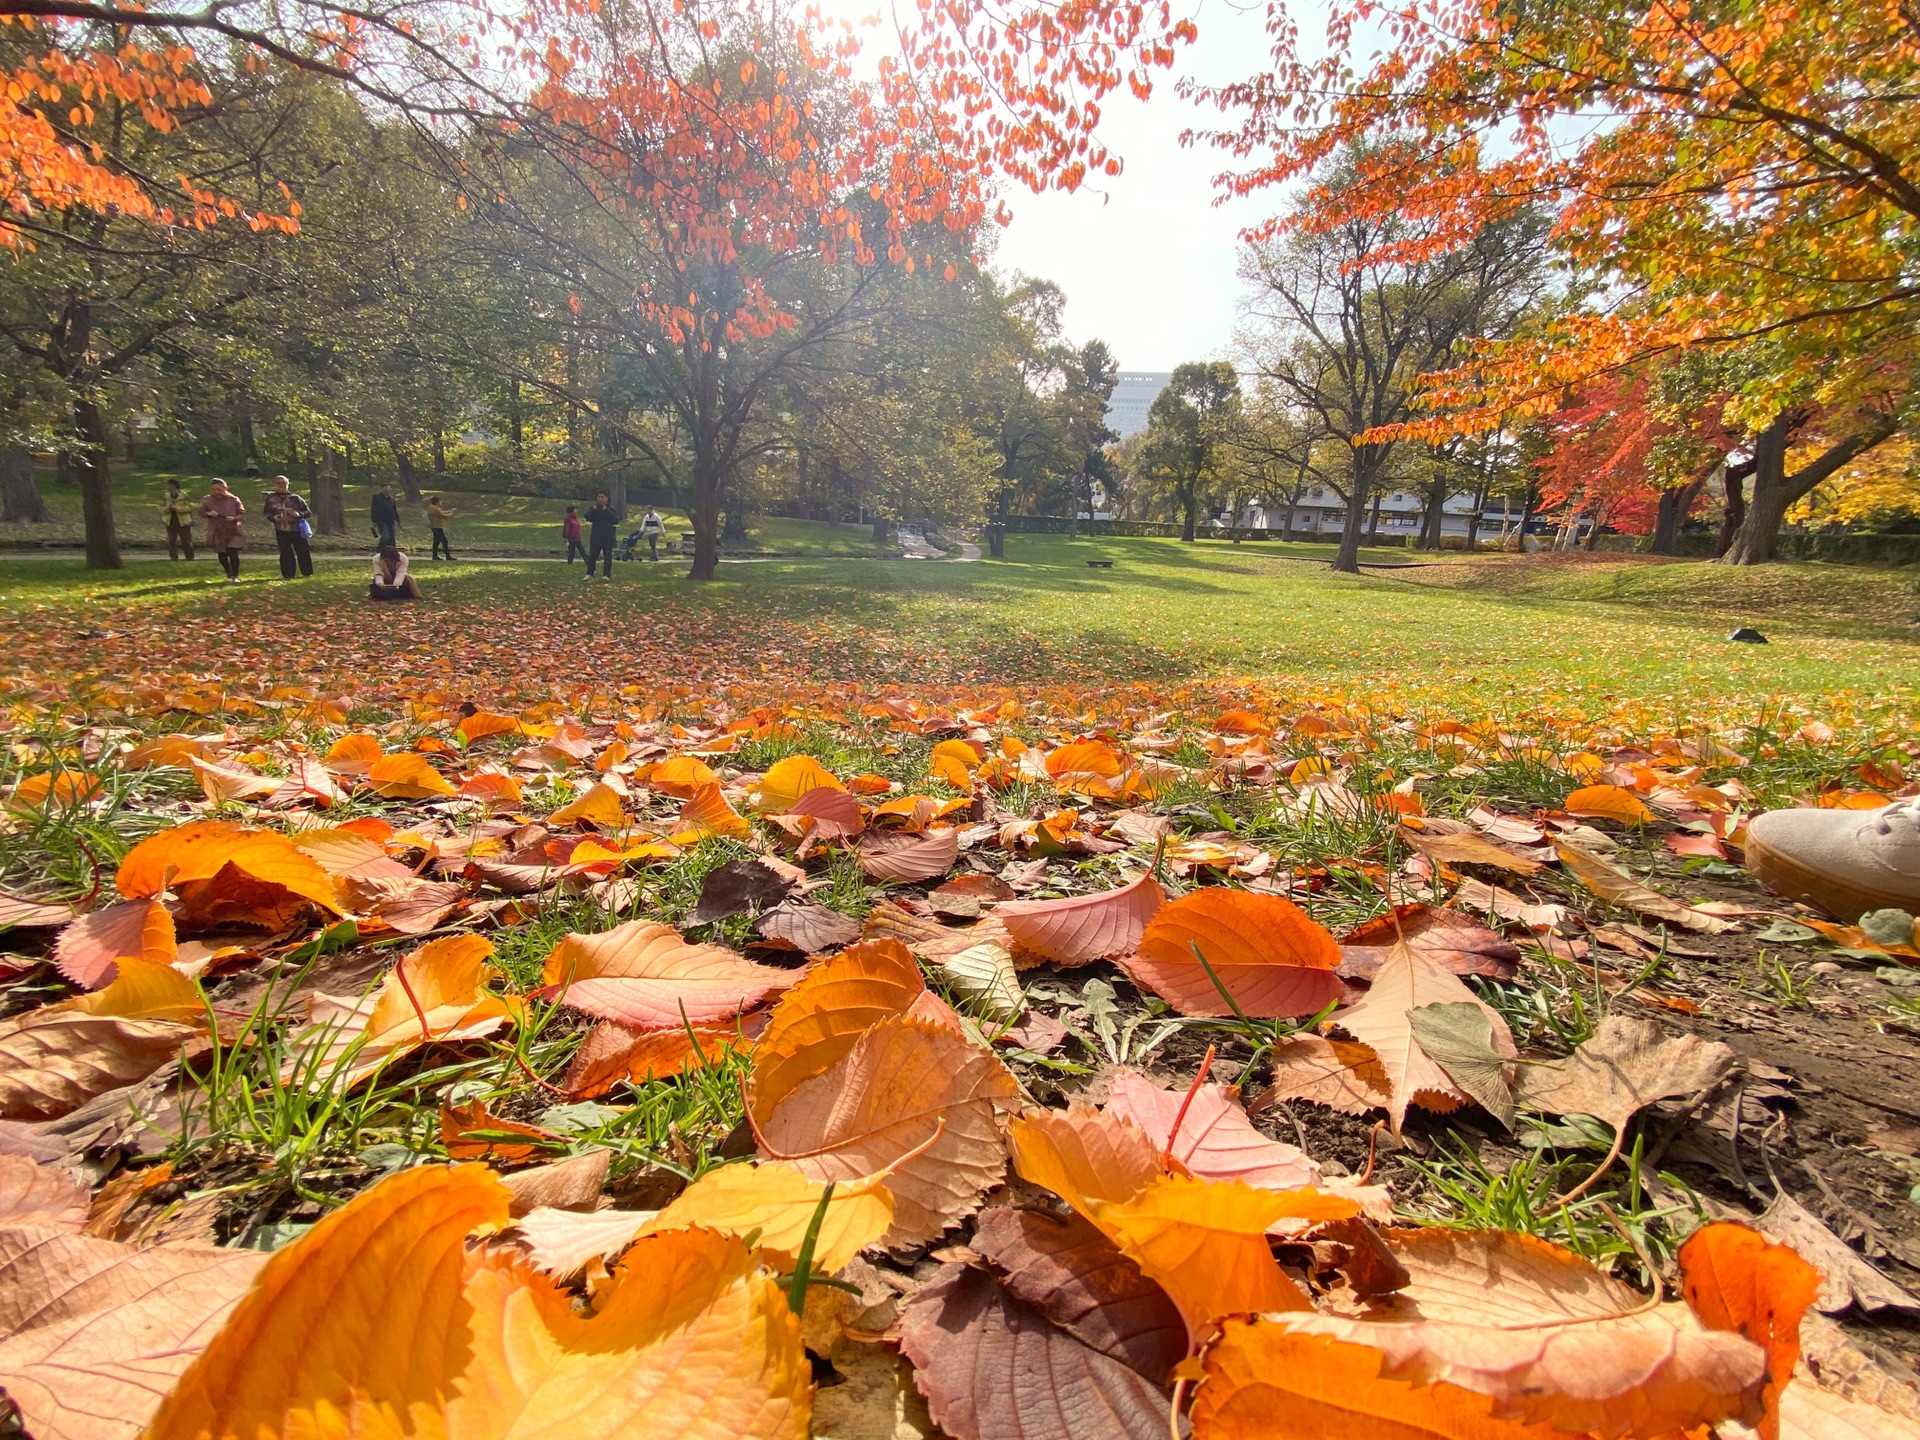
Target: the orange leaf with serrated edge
pixel 381 1321
pixel 190 855
pixel 1086 758
pixel 1608 802
pixel 146 990
pixel 492 788
pixel 472 1132
pixel 1257 1371
pixel 89 946
pixel 352 754
pixel 816 1022
pixel 612 1052
pixel 708 813
pixel 406 777
pixel 1737 1279
pixel 645 975
pixel 1270 957
pixel 223 783
pixel 911 1096
pixel 787 780
pixel 599 805
pixel 1084 927
pixel 481 724
pixel 682 776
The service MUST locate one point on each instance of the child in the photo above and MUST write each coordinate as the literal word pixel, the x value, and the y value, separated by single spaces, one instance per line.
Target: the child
pixel 391 581
pixel 437 517
pixel 570 532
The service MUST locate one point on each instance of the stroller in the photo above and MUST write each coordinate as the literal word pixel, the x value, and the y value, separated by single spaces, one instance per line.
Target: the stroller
pixel 629 547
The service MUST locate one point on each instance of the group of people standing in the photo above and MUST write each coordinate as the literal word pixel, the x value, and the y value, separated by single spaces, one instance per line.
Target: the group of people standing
pixel 225 514
pixel 603 521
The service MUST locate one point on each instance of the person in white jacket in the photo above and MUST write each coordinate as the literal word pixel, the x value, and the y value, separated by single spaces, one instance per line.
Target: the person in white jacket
pixel 390 578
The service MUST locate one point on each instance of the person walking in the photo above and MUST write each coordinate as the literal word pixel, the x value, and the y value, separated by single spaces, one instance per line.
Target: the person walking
pixel 437 517
pixel 602 519
pixel 291 519
pixel 179 512
pixel 652 527
pixel 391 577
pixel 570 532
pixel 222 510
pixel 386 516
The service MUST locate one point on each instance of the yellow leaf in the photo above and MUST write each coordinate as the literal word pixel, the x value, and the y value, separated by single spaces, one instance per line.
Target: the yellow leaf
pixel 145 990
pixel 1608 802
pixel 599 806
pixel 787 780
pixel 406 777
pixel 780 1202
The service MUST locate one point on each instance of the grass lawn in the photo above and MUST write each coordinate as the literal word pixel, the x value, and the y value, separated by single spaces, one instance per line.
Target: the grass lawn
pixel 1474 637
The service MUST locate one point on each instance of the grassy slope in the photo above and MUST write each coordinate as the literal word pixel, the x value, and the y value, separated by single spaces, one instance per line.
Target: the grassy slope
pixel 1483 637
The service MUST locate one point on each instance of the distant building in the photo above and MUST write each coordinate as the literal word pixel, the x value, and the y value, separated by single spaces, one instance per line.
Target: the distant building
pixel 1133 396
pixel 1321 511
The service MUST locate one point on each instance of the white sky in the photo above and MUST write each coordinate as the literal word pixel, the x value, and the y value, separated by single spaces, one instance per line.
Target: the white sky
pixel 1147 260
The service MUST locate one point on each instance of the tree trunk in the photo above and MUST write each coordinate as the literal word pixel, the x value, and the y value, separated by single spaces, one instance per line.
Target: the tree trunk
pixel 617 494
pixel 1775 491
pixel 328 498
pixel 96 490
pixel 249 447
pixel 1435 519
pixel 409 477
pixel 1190 501
pixel 734 532
pixel 20 492
pixel 1733 478
pixel 1347 557
pixel 1674 507
pixel 439 451
pixel 703 510
pixel 1592 542
pixel 882 530
pixel 1373 520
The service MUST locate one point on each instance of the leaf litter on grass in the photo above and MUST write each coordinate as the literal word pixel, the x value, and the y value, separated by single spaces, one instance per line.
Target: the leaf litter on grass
pixel 645 1068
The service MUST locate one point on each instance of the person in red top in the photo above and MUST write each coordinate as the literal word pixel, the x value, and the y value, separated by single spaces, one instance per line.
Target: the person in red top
pixel 222 510
pixel 570 532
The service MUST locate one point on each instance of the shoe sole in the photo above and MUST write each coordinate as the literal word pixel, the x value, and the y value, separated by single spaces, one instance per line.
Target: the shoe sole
pixel 1843 899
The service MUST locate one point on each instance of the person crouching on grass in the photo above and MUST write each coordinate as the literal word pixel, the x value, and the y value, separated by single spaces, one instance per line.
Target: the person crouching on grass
pixel 390 578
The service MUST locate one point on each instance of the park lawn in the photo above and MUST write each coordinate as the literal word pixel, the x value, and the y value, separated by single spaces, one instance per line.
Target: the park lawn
pixel 1477 638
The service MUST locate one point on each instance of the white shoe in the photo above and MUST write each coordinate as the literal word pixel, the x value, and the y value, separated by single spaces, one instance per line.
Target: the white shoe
pixel 1847 862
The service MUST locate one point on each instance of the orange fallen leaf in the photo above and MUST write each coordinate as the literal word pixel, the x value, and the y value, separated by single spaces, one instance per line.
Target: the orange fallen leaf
pixel 708 813
pixel 470 1131
pixel 352 754
pixel 1265 951
pixel 599 805
pixel 206 861
pixel 682 776
pixel 1608 802
pixel 223 783
pixel 1736 1279
pixel 406 777
pixel 87 950
pixel 787 780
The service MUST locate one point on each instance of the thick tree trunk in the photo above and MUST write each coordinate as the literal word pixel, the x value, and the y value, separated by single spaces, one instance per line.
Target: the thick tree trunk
pixel 1190 504
pixel 409 477
pixel 734 531
pixel 1775 491
pixel 96 489
pixel 19 491
pixel 1347 557
pixel 1734 480
pixel 1675 504
pixel 249 447
pixel 617 494
pixel 1373 520
pixel 1435 519
pixel 1592 542
pixel 703 509
pixel 328 498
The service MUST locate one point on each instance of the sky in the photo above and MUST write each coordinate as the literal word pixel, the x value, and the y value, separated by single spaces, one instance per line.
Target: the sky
pixel 1147 260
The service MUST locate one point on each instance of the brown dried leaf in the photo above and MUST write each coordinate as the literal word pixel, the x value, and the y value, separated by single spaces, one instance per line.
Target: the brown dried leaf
pixel 53 1061
pixel 808 929
pixel 1621 889
pixel 896 859
pixel 1463 945
pixel 1338 1074
pixel 33 1196
pixel 1625 1066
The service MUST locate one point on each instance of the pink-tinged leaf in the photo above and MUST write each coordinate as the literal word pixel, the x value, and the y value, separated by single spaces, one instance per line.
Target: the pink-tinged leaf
pixel 1682 842
pixel 32 1194
pixel 648 978
pixel 992 1368
pixel 87 949
pixel 903 859
pixel 835 813
pixel 1084 927
pixel 1216 1140
pixel 1457 941
pixel 1267 954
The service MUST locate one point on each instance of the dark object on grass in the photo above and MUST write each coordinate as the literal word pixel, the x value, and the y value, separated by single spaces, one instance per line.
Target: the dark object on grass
pixel 737 886
pixel 1747 635
pixel 1099 564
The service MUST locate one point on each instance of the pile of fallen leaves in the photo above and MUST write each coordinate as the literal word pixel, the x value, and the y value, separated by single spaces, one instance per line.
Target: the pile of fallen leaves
pixel 942 1189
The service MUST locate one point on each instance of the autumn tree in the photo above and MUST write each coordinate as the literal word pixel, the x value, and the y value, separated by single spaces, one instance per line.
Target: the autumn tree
pixel 1346 318
pixel 1732 136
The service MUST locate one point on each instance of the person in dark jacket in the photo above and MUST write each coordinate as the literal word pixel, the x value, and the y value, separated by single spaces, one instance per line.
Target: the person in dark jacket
pixel 602 519
pixel 289 515
pixel 386 517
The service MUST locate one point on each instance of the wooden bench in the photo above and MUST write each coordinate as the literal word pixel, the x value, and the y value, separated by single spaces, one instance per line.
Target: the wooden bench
pixel 1099 564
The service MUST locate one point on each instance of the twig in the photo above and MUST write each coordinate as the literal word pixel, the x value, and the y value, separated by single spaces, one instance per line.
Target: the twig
pixel 1613 1154
pixel 1199 1079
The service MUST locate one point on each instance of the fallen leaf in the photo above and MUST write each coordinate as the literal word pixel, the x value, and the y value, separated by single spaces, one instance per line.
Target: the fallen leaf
pixel 898 859
pixel 646 976
pixel 903 1083
pixel 53 1061
pixel 968 897
pixel 223 783
pixel 1459 1036
pixel 406 777
pixel 1734 1279
pixel 611 1052
pixel 381 1312
pixel 1463 945
pixel 682 776
pixel 1084 927
pixel 470 1131
pixel 1072 1274
pixel 787 780
pixel 36 1196
pixel 1478 897
pixel 1216 1140
pixel 144 990
pixel 815 1024
pixel 600 805
pixel 197 859
pixel 353 754
pixel 777 1204
pixel 1335 1073
pixel 85 952
pixel 831 814
pixel 991 1367
pixel 1468 847
pixel 1264 951
pixel 1383 1021
pixel 1608 802
pixel 1623 890
pixel 809 929
pixel 707 813
pixel 94 1333
pixel 1811 1412
pixel 1845 1278
pixel 571 1184
pixel 983 981
pixel 737 887
pixel 1623 1067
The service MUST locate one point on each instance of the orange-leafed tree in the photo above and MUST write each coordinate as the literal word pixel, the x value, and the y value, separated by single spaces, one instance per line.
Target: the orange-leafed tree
pixel 1733 175
pixel 717 193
